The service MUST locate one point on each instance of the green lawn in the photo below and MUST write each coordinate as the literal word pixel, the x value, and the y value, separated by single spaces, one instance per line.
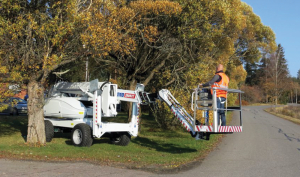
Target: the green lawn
pixel 153 148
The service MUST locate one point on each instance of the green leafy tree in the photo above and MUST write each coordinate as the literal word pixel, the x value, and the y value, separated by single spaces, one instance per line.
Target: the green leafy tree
pixel 252 74
pixel 144 33
pixel 213 32
pixel 37 37
pixel 276 75
pixel 224 32
pixel 298 75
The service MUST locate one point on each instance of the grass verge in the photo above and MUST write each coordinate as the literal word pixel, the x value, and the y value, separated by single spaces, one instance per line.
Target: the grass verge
pixel 290 113
pixel 154 149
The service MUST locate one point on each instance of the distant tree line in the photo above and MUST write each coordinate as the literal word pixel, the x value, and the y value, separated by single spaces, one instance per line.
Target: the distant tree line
pixel 269 81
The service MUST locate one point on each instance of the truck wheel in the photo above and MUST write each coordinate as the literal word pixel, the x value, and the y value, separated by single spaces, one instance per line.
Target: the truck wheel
pixel 122 139
pixel 82 135
pixel 49 130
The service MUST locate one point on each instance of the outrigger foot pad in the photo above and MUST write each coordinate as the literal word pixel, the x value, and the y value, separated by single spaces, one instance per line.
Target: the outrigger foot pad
pixel 199 136
pixel 193 135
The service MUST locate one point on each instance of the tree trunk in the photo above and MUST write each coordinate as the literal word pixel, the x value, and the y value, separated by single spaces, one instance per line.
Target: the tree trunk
pixel 36 127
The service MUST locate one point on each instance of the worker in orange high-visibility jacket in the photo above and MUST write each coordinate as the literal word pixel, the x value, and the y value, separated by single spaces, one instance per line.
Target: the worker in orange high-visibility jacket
pixel 220 80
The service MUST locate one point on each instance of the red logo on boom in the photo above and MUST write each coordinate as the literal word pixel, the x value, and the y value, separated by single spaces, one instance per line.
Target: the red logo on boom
pixel 129 95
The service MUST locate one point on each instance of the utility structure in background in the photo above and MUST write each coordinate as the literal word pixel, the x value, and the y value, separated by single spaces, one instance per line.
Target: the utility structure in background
pixel 86 67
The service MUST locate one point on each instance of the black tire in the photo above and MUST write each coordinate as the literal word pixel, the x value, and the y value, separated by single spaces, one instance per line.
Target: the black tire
pixel 121 139
pixel 14 112
pixel 49 130
pixel 82 135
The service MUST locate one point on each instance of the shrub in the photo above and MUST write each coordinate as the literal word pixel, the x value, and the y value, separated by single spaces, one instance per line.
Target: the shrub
pixel 291 111
pixel 252 94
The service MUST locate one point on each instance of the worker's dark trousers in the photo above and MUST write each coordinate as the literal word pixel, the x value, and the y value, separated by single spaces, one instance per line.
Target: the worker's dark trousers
pixel 221 113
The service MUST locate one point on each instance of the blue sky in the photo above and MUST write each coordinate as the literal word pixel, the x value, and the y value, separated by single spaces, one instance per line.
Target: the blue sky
pixel 283 16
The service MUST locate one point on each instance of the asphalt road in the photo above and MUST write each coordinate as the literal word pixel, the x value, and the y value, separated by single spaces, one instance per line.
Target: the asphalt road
pixel 268 146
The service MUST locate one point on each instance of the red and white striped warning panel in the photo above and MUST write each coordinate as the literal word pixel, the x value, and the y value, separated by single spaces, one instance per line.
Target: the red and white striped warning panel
pixel 181 119
pixel 230 129
pixel 205 128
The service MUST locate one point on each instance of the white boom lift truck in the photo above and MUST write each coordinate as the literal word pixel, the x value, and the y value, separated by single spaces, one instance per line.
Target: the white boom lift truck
pixel 80 107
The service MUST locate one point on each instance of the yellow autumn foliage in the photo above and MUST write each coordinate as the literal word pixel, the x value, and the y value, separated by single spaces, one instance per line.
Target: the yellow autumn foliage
pixel 205 34
pixel 114 28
